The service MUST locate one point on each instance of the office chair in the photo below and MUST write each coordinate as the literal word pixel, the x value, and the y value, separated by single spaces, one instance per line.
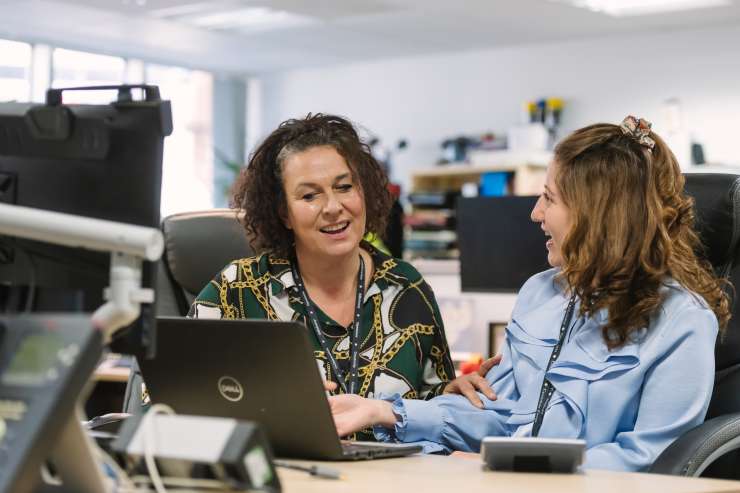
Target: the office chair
pixel 197 246
pixel 712 449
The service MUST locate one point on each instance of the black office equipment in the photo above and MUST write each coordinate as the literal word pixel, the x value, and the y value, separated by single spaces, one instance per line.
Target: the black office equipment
pixel 229 380
pixel 100 161
pixel 45 361
pixel 500 246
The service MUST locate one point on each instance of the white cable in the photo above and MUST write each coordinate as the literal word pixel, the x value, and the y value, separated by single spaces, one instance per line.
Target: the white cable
pixel 149 438
pixel 122 478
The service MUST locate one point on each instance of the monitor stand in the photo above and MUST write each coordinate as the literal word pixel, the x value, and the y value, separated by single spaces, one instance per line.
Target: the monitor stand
pixel 73 458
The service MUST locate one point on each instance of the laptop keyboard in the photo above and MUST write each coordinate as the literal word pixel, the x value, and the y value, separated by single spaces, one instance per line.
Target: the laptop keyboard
pixel 354 448
pixel 376 449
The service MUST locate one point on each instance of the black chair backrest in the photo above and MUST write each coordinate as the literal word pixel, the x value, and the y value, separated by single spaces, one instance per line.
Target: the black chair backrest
pixel 198 245
pixel 717 204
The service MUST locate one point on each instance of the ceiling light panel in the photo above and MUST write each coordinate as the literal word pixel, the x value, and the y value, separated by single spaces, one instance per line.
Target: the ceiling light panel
pixel 255 16
pixel 333 10
pixel 250 19
pixel 131 6
pixel 624 8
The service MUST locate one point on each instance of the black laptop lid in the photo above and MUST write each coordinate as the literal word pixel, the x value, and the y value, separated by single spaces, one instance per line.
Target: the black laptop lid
pixel 256 370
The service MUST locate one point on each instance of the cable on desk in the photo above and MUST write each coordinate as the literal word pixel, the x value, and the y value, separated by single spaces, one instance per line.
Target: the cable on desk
pixel 149 434
pixel 313 470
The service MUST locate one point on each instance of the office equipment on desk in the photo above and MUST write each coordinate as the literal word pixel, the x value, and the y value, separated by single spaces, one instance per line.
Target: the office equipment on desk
pixel 74 160
pixel 258 370
pixel 234 452
pixel 99 161
pixel 524 454
pixel 48 345
pixel 45 362
pixel 500 246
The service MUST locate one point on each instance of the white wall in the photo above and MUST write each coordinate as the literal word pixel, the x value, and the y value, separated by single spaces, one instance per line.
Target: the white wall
pixel 426 99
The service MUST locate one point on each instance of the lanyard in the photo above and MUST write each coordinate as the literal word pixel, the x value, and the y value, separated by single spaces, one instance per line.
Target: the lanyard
pixel 354 329
pixel 547 388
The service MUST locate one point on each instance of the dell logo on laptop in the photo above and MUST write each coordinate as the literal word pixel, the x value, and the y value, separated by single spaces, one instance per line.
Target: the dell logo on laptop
pixel 230 389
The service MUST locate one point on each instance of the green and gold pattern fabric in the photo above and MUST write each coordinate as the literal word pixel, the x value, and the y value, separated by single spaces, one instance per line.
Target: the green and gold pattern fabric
pixel 403 347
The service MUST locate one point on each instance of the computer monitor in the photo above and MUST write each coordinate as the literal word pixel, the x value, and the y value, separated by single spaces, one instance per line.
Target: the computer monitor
pixel 100 161
pixel 500 246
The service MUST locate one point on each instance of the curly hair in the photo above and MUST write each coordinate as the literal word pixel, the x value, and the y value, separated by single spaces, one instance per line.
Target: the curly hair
pixel 259 192
pixel 632 226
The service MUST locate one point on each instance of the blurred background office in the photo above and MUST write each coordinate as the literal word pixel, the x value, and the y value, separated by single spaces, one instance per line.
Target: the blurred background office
pixel 485 86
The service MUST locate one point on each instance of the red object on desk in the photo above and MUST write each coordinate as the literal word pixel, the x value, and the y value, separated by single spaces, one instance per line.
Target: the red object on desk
pixel 471 365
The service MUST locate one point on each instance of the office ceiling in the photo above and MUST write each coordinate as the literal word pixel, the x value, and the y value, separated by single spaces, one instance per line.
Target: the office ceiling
pixel 326 32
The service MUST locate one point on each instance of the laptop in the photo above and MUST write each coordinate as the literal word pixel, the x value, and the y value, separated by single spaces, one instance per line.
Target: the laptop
pixel 257 370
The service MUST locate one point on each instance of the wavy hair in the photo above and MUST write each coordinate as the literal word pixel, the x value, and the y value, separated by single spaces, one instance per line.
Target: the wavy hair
pixel 258 190
pixel 632 226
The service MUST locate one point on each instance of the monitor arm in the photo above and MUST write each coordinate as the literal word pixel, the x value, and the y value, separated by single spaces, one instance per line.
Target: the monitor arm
pixel 128 244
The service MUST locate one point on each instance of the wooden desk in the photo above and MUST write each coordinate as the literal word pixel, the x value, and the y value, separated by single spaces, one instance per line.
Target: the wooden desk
pixel 113 368
pixel 433 473
pixel 111 374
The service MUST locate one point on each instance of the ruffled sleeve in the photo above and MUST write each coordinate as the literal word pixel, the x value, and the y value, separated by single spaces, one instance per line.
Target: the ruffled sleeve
pixel 583 359
pixel 451 422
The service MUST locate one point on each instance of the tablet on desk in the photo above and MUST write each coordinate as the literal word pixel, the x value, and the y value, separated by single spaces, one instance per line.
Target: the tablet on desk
pixel 561 455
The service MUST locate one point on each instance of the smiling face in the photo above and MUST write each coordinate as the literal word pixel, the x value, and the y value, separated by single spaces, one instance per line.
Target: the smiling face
pixel 554 217
pixel 325 207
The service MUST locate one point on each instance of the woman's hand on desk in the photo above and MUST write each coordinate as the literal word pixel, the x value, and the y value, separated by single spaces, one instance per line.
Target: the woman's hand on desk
pixel 353 413
pixel 469 385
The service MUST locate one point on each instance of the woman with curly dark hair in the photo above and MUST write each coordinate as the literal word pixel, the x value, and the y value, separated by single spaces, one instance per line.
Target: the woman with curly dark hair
pixel 310 193
pixel 615 344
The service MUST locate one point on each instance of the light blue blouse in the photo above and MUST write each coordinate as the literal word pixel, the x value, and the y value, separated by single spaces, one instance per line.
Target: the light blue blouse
pixel 628 404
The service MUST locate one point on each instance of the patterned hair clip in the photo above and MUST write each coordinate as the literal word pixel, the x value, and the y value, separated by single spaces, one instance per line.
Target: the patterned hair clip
pixel 639 129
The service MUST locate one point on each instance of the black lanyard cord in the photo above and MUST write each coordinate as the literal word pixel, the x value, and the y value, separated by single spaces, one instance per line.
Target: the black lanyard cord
pixel 547 388
pixel 354 330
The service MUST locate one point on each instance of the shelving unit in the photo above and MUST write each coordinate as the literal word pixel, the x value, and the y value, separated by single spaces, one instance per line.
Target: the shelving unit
pixel 527 171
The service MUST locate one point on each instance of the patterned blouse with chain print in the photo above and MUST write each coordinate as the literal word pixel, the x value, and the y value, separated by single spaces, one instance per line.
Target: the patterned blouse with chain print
pixel 403 347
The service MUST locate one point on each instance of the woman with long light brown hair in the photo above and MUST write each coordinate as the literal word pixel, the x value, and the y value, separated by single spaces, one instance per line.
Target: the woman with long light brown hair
pixel 614 344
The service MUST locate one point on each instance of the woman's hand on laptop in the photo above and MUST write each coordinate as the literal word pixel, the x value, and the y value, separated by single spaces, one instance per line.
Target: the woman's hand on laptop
pixel 353 413
pixel 469 385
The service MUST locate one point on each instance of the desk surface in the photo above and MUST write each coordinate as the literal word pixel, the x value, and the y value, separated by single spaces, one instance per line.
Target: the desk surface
pixel 432 473
pixel 113 368
pixel 111 375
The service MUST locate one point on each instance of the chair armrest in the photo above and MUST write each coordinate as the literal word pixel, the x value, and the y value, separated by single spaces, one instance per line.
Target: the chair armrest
pixel 696 449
